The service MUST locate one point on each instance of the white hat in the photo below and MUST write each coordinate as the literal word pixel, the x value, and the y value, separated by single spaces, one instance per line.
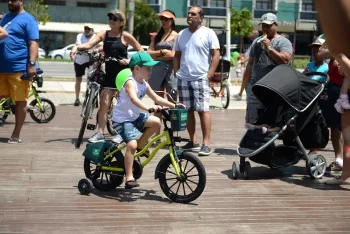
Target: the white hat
pixel 268 18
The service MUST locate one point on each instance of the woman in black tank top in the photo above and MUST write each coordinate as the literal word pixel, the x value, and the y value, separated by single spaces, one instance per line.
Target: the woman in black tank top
pixel 115 44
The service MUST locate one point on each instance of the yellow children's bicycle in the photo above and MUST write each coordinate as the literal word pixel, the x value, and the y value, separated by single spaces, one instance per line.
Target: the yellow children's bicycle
pixel 41 110
pixel 181 174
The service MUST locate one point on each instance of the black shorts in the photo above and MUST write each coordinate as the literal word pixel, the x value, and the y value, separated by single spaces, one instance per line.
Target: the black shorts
pixel 80 69
pixel 332 117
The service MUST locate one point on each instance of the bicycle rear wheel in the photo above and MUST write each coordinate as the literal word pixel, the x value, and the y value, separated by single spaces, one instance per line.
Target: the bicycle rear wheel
pixel 85 116
pixel 190 185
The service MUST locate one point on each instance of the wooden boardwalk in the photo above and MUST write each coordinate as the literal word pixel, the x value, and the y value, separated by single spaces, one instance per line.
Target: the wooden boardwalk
pixel 38 190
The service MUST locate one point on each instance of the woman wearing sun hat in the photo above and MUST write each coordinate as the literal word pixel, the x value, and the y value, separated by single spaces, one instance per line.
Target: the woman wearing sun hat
pixel 161 49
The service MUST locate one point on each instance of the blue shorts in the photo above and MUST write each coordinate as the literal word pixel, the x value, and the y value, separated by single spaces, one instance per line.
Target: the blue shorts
pixel 131 130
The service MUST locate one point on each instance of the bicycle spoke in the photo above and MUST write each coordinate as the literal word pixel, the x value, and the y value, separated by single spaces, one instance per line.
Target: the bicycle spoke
pixel 192 175
pixel 171 172
pixel 192 182
pixel 173 185
pixel 107 179
pixel 190 170
pixel 183 187
pixel 172 178
pixel 177 191
pixel 189 187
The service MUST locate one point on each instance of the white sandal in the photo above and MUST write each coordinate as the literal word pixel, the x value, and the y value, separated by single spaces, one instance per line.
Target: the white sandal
pixel 14 140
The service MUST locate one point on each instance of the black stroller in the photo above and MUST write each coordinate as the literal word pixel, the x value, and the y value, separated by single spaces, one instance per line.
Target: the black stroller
pixel 291 102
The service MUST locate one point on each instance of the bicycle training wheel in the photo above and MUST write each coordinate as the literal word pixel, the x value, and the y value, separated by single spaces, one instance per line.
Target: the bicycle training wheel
pixel 86 115
pixel 103 180
pixel 190 185
pixel 45 115
pixel 225 97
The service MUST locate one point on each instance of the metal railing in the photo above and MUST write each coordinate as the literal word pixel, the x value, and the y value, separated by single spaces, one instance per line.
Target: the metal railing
pixel 213 11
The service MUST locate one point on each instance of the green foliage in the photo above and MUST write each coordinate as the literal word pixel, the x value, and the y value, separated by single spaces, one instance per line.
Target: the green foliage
pixel 300 62
pixel 145 21
pixel 40 11
pixel 241 22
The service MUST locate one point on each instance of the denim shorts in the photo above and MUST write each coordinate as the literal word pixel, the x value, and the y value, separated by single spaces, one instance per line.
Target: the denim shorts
pixel 131 130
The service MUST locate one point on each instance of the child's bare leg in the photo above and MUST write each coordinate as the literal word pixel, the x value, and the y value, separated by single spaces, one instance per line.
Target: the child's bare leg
pixel 129 159
pixel 151 126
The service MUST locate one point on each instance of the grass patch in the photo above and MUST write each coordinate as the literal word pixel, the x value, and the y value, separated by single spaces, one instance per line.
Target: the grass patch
pixel 300 62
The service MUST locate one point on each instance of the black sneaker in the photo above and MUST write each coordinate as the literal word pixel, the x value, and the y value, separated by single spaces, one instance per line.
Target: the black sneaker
pixel 190 146
pixel 77 102
pixel 205 151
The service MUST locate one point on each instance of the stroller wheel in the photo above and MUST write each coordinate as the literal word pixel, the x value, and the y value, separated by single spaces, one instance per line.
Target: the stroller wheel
pixel 247 169
pixel 235 170
pixel 316 166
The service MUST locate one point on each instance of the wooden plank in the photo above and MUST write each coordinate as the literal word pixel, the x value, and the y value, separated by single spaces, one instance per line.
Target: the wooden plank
pixel 38 189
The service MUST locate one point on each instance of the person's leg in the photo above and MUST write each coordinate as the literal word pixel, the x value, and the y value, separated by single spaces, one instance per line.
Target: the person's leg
pixel 346 136
pixel 186 97
pixel 19 91
pixel 105 102
pixel 205 119
pixel 150 126
pixel 129 159
pixel 79 72
pixel 337 142
pixel 191 126
pixel 77 86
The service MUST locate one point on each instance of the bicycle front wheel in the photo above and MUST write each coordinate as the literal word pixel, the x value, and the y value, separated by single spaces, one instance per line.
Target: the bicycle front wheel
pixel 44 115
pixel 191 183
pixel 86 115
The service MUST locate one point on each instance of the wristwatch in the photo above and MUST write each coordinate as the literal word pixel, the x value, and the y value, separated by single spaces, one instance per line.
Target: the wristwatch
pixel 31 63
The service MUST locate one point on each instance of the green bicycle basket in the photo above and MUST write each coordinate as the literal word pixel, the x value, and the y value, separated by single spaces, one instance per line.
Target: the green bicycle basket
pixel 178 119
pixel 95 151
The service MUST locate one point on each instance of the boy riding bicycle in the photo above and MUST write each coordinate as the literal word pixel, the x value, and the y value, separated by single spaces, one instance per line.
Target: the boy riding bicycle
pixel 127 119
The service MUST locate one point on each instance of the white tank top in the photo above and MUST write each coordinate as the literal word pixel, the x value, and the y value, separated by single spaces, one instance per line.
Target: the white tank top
pixel 125 110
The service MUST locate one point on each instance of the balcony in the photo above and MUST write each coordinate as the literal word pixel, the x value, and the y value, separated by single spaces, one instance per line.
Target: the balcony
pixel 260 12
pixel 219 12
pixel 308 15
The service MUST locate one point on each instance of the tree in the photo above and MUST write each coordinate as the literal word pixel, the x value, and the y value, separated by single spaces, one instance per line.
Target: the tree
pixel 145 21
pixel 241 24
pixel 39 10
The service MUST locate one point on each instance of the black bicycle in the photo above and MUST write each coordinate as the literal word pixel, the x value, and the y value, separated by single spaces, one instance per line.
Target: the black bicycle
pixel 95 78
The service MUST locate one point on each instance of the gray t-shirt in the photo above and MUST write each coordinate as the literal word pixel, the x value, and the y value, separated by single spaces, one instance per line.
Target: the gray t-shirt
pixel 263 63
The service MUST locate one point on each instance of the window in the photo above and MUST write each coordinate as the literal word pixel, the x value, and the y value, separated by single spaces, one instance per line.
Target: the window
pixel 264 5
pixel 154 4
pixel 92 4
pixel 210 7
pixel 54 2
pixel 308 5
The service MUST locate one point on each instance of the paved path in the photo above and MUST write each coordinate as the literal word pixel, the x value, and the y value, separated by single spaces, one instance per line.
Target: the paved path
pixel 38 192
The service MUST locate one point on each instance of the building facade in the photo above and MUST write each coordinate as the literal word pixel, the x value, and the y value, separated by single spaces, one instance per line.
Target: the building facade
pixel 296 17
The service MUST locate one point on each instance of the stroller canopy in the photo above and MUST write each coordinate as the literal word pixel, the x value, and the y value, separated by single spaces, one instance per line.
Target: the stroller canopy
pixel 283 85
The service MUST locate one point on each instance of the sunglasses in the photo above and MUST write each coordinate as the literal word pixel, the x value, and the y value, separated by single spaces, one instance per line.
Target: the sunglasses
pixel 115 19
pixel 162 18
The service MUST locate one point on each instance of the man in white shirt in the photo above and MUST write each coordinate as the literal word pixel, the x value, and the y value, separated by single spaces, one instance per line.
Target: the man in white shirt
pixel 196 58
pixel 81 62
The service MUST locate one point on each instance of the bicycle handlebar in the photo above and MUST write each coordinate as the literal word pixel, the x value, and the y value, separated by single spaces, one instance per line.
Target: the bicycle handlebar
pixel 96 56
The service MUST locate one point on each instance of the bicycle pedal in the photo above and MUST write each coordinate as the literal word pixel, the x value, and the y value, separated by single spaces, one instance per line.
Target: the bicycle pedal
pixel 91 127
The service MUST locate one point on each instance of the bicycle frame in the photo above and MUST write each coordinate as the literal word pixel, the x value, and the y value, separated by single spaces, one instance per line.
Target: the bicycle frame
pixel 166 142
